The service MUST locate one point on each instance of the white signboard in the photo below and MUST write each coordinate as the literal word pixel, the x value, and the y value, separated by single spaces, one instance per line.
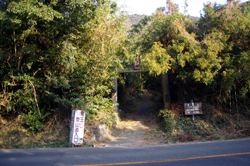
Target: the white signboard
pixel 77 127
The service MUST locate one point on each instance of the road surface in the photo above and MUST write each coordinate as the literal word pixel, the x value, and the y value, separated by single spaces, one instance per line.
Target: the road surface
pixel 228 153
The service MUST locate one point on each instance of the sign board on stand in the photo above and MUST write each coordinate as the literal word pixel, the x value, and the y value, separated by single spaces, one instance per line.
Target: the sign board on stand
pixel 77 127
pixel 193 109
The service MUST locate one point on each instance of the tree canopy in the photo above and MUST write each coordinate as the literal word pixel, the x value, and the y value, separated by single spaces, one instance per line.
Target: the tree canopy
pixel 63 54
pixel 211 53
pixel 58 55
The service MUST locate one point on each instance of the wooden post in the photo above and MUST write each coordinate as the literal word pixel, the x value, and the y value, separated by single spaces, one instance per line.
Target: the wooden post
pixel 115 95
pixel 165 89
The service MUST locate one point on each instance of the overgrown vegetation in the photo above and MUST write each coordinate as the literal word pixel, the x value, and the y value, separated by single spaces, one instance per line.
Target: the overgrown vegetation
pixel 59 55
pixel 132 88
pixel 56 56
pixel 212 125
pixel 206 60
pixel 15 135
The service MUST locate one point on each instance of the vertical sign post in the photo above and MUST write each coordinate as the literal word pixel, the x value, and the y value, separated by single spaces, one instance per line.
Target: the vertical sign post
pixel 77 127
pixel 193 109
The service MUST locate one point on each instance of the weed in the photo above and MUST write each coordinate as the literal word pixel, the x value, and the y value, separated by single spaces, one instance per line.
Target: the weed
pixel 213 125
pixel 16 136
pixel 154 132
pixel 216 137
pixel 227 137
pixel 90 145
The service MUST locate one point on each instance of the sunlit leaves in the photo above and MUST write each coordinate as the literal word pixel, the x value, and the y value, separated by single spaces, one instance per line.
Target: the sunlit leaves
pixel 158 61
pixel 215 52
pixel 66 48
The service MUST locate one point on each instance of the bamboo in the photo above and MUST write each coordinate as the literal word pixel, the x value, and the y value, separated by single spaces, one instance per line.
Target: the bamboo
pixel 230 104
pixel 34 90
pixel 236 101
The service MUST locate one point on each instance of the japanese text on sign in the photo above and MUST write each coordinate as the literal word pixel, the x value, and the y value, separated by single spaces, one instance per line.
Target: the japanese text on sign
pixel 193 108
pixel 77 127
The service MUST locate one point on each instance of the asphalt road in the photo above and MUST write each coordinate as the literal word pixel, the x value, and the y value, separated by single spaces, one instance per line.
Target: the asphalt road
pixel 228 153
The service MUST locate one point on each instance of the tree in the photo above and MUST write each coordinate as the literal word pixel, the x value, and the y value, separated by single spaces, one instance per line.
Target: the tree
pixel 212 55
pixel 233 27
pixel 57 55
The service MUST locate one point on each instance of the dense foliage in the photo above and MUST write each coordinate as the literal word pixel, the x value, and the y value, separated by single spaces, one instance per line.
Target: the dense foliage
pixel 207 60
pixel 58 55
pixel 62 54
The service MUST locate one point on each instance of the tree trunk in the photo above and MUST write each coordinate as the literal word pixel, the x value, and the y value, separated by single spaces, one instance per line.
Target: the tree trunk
pixel 165 90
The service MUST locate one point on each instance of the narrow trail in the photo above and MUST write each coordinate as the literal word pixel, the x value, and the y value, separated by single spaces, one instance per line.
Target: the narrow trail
pixel 136 128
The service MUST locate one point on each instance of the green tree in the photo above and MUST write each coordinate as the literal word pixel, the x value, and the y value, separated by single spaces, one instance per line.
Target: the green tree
pixel 212 56
pixel 230 25
pixel 57 55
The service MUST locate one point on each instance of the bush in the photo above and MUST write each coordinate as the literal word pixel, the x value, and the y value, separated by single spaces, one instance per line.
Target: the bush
pixel 169 119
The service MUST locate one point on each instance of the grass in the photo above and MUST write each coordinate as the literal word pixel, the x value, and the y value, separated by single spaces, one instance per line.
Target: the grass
pixel 15 136
pixel 54 135
pixel 212 125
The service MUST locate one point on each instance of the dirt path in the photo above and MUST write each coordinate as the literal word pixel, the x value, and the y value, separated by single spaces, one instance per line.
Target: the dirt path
pixel 137 129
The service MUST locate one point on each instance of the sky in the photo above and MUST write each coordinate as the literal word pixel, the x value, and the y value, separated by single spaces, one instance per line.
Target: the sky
pixel 148 7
